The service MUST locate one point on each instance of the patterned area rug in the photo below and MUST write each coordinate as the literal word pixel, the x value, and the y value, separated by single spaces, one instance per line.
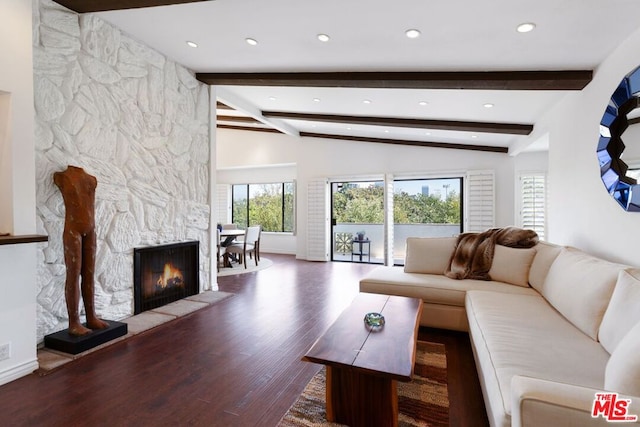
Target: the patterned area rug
pixel 422 402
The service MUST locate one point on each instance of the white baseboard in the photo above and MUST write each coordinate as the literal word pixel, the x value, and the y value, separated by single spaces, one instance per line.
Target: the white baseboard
pixel 18 371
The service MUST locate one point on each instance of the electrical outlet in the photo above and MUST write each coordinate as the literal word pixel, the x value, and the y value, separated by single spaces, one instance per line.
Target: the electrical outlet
pixel 5 351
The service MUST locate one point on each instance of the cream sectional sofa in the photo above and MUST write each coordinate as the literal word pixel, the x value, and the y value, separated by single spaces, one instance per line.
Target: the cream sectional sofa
pixel 551 329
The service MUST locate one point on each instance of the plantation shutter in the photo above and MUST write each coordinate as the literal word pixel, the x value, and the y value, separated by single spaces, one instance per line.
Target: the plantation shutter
pixel 533 206
pixel 388 220
pixel 317 220
pixel 223 203
pixel 480 200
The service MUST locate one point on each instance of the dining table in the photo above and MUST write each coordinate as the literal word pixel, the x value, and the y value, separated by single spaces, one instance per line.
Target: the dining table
pixel 227 232
pixel 228 235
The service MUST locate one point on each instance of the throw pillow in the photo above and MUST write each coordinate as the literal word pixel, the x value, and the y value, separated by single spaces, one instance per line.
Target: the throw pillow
pixel 623 311
pixel 622 373
pixel 579 286
pixel 546 253
pixel 511 265
pixel 430 255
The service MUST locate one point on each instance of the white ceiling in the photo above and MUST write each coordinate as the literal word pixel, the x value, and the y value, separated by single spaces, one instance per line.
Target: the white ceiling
pixel 368 35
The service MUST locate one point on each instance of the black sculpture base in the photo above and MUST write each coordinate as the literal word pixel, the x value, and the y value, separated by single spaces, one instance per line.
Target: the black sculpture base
pixel 67 343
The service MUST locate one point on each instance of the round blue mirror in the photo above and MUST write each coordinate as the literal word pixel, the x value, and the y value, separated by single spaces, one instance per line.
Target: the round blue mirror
pixel 616 119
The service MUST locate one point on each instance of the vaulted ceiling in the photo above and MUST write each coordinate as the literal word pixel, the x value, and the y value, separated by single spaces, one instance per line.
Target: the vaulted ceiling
pixel 469 80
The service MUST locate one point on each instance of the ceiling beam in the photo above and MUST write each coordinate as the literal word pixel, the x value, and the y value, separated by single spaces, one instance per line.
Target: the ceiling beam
pixel 481 80
pixel 431 144
pixel 86 6
pixel 222 106
pixel 449 125
pixel 485 148
pixel 237 119
pixel 248 128
pixel 240 104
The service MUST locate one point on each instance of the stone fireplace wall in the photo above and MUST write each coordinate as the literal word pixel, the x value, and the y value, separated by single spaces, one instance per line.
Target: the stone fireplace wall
pixel 137 121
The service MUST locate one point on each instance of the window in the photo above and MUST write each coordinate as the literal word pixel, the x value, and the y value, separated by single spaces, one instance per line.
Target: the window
pixel 533 206
pixel 428 201
pixel 425 208
pixel 268 205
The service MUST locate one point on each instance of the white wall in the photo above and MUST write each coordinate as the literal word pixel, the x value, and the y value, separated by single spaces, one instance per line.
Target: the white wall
pixel 16 65
pixel 6 179
pixel 532 162
pixel 581 212
pixel 17 192
pixel 18 310
pixel 326 158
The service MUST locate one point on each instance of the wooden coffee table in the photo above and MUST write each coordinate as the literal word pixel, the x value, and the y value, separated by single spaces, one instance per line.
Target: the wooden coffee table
pixel 364 364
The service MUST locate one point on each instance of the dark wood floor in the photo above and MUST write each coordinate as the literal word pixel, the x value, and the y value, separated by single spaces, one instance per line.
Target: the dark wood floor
pixel 236 363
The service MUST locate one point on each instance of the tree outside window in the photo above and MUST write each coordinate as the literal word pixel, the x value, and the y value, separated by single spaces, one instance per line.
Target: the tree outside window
pixel 359 203
pixel 267 205
pixel 427 201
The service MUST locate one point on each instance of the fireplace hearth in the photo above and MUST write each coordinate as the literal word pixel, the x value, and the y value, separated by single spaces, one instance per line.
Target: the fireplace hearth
pixel 165 273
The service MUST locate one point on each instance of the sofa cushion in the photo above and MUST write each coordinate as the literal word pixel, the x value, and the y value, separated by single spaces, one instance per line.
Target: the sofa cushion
pixel 517 334
pixel 431 288
pixel 429 254
pixel 623 369
pixel 623 311
pixel 579 286
pixel 511 265
pixel 546 253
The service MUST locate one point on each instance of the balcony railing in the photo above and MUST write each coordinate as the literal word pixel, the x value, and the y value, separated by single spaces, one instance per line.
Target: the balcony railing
pixel 375 234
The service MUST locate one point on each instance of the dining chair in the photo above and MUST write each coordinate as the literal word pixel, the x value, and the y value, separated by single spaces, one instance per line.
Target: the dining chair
pixel 247 246
pixel 257 251
pixel 218 254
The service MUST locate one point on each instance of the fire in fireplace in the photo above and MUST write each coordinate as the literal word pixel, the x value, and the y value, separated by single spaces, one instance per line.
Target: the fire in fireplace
pixel 171 277
pixel 165 273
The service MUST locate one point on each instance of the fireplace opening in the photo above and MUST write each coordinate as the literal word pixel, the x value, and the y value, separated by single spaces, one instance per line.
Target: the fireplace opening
pixel 164 274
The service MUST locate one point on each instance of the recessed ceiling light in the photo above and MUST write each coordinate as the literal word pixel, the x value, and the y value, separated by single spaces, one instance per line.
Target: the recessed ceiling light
pixel 526 27
pixel 316 99
pixel 252 42
pixel 427 133
pixel 474 136
pixel 348 128
pixel 488 105
pixel 323 37
pixel 272 98
pixel 386 131
pixel 412 33
pixel 423 103
pixel 191 44
pixel 366 101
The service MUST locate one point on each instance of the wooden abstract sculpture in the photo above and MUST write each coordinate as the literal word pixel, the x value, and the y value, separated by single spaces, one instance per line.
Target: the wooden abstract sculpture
pixel 79 238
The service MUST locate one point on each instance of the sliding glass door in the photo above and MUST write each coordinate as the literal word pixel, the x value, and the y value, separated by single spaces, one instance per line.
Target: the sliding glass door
pixel 357 212
pixel 425 208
